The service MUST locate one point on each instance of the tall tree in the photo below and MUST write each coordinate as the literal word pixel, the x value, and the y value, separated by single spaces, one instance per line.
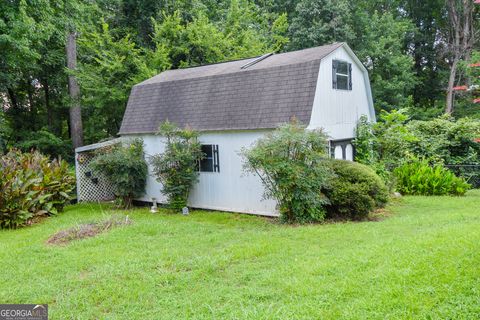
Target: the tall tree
pixel 108 68
pixel 460 41
pixel 379 44
pixel 426 47
pixel 318 22
pixel 76 125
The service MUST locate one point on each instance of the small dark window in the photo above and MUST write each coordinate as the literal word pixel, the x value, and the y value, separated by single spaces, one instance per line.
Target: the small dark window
pixel 210 161
pixel 341 75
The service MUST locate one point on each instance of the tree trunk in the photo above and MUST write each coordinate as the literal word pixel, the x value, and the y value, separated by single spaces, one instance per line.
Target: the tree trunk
pixel 13 98
pixel 76 126
pixel 451 83
pixel 460 13
pixel 46 90
pixel 32 112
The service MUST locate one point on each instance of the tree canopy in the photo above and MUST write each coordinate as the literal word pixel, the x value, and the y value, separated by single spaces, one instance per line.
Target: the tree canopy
pixel 407 47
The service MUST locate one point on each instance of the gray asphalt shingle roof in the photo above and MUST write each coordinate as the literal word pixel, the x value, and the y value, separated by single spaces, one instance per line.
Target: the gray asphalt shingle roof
pixel 225 97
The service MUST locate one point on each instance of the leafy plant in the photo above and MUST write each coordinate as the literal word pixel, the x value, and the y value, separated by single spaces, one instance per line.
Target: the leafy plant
pixel 387 144
pixel 418 177
pixel 109 66
pixel 32 185
pixel 355 191
pixel 290 163
pixel 124 166
pixel 176 167
pixel 47 143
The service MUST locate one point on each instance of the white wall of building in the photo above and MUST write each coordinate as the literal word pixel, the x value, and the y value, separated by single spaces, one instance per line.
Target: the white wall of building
pixel 338 111
pixel 228 190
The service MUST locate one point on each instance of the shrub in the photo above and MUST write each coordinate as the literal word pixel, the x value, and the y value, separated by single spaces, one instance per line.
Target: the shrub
pixel 355 191
pixel 32 185
pixel 124 166
pixel 176 167
pixel 418 177
pixel 47 143
pixel 386 144
pixel 290 163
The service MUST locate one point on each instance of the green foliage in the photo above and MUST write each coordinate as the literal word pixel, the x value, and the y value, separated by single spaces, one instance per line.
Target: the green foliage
pixel 4 131
pixel 365 151
pixel 30 186
pixel 464 100
pixel 280 33
pixel 447 140
pixel 33 85
pixel 19 33
pixel 196 41
pixel 290 163
pixel 176 167
pixel 109 67
pixel 418 177
pixel 47 143
pixel 398 42
pixel 430 68
pixel 387 144
pixel 382 145
pixel 393 137
pixel 378 39
pixel 355 191
pixel 421 261
pixel 320 22
pixel 379 46
pixel 124 166
pixel 191 43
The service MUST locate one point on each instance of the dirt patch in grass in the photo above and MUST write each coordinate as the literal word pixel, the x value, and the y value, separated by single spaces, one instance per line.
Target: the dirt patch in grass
pixel 88 230
pixel 379 215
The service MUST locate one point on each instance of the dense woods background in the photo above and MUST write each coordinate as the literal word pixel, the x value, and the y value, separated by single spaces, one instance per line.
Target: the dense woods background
pixel 408 46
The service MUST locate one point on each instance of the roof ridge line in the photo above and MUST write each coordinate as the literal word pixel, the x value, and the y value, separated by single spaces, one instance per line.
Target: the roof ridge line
pixel 222 74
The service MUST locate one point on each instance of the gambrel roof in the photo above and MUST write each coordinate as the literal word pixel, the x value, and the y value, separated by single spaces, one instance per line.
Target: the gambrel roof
pixel 235 95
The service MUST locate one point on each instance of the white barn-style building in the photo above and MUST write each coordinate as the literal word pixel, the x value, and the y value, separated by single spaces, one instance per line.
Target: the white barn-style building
pixel 234 103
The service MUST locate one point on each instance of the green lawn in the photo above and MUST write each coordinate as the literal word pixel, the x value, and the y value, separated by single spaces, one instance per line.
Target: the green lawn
pixel 421 262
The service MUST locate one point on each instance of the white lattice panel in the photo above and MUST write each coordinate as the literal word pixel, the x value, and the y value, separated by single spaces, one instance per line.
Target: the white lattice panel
pixel 91 186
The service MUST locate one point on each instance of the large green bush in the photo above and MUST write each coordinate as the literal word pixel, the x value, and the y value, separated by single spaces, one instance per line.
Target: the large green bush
pixel 387 144
pixel 290 163
pixel 124 166
pixel 418 177
pixel 176 168
pixel 32 185
pixel 355 191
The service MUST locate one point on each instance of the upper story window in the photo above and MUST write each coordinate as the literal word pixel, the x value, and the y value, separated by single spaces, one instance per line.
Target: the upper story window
pixel 341 75
pixel 210 162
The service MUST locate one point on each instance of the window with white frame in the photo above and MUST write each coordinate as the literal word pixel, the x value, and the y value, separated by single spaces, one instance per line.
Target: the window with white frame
pixel 210 161
pixel 342 149
pixel 341 75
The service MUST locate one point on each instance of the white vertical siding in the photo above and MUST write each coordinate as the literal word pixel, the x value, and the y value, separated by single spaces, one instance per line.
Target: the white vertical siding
pixel 337 111
pixel 228 190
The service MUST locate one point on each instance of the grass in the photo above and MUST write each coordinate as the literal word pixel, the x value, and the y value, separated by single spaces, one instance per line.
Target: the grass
pixel 422 262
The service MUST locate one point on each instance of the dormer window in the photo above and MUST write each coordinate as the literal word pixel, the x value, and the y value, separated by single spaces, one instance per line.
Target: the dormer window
pixel 341 75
